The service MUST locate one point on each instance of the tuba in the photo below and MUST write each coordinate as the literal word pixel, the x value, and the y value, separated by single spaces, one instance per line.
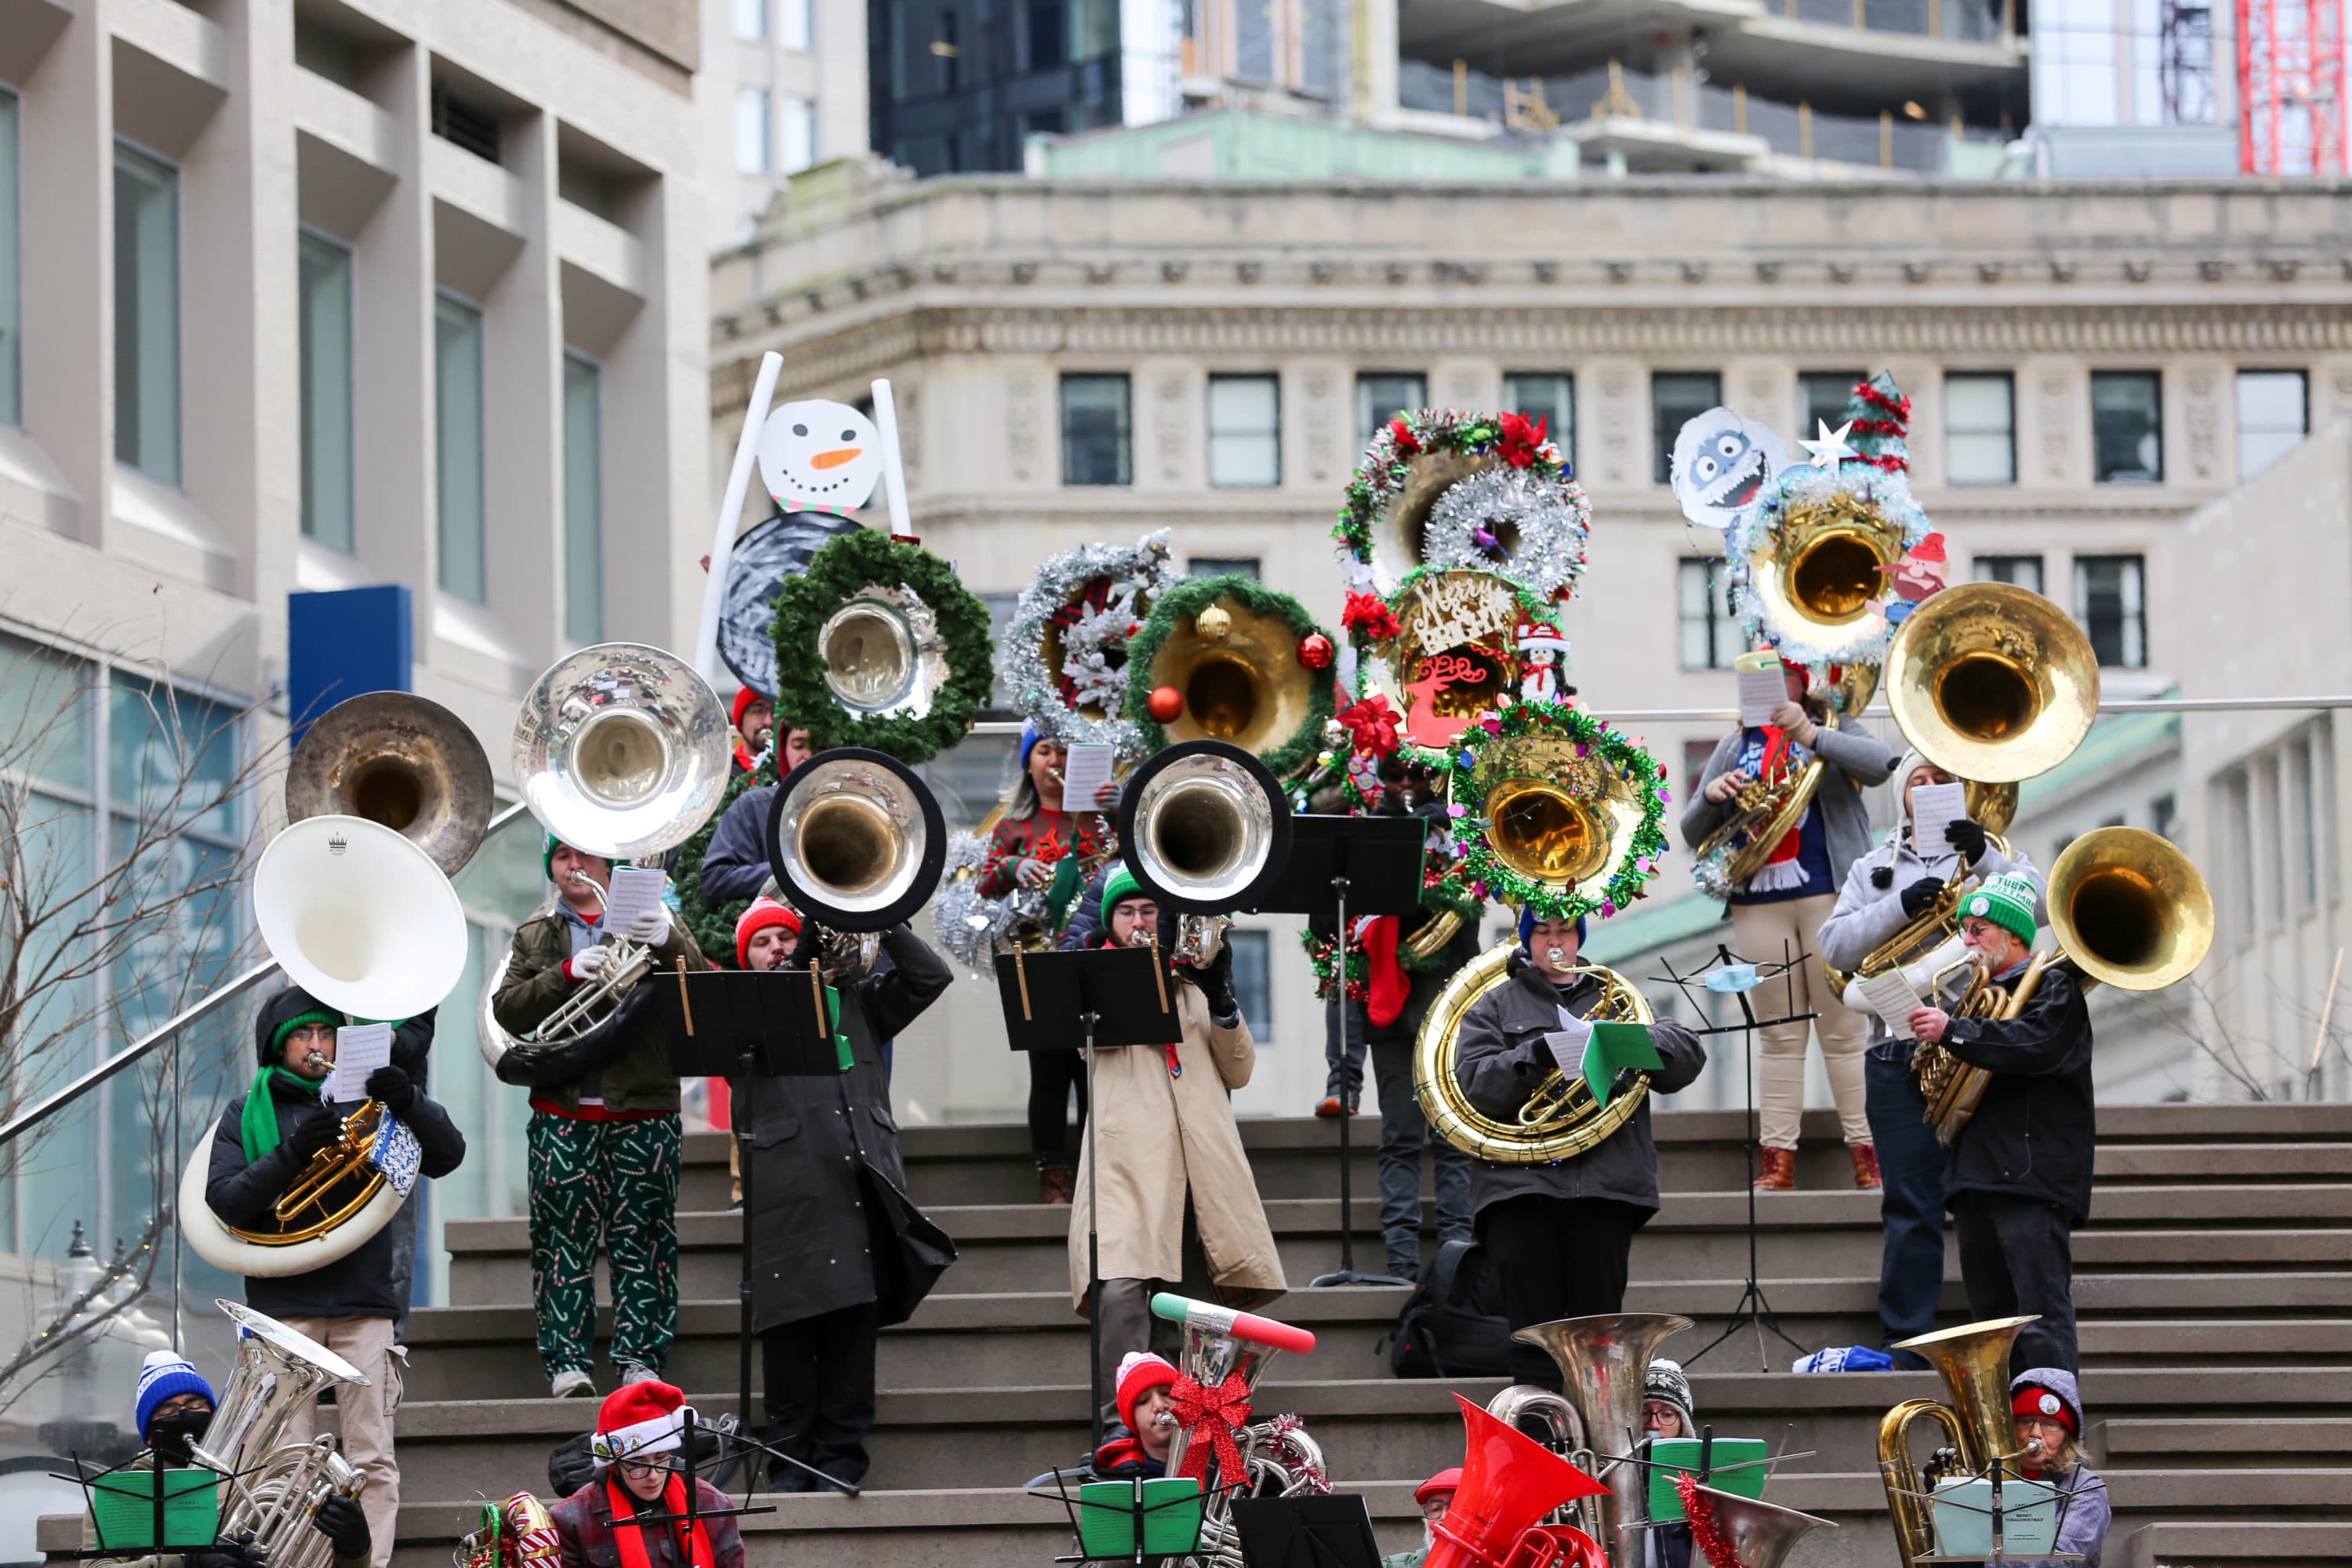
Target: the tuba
pixel 274 1489
pixel 1974 1361
pixel 1280 1458
pixel 1238 671
pixel 399 759
pixel 1603 1362
pixel 857 842
pixel 1205 829
pixel 1761 1534
pixel 516 1533
pixel 361 918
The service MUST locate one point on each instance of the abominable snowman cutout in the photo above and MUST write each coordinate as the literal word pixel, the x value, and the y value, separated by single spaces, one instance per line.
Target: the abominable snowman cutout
pixel 1721 464
pixel 820 457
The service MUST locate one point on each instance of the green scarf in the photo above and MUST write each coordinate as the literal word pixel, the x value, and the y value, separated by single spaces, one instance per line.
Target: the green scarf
pixel 259 1127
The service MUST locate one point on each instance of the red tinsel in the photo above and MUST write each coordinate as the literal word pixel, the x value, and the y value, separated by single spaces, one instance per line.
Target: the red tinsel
pixel 1370 614
pixel 1373 724
pixel 1522 437
pixel 1899 407
pixel 1706 1534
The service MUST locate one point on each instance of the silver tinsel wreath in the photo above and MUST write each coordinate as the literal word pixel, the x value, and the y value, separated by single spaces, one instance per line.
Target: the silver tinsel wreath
pixel 1139 572
pixel 1553 521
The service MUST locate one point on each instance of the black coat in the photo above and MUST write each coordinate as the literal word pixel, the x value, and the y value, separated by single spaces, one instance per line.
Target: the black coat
pixel 2032 1133
pixel 830 1224
pixel 735 861
pixel 1501 1058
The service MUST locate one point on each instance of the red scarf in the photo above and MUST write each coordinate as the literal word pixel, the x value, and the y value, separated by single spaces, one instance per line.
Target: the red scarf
pixel 631 1539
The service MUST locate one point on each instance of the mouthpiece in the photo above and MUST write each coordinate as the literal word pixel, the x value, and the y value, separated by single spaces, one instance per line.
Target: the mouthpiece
pixel 1556 955
pixel 1165 1420
pixel 317 1059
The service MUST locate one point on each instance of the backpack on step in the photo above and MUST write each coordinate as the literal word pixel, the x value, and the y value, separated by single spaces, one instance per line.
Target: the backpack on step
pixel 1448 1327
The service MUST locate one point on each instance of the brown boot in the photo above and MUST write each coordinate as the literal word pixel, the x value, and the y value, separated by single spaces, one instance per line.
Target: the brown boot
pixel 1054 1183
pixel 1865 1167
pixel 1776 1170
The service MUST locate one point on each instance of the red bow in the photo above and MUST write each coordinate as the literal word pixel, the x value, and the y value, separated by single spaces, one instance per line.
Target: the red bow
pixel 1369 614
pixel 1402 434
pixel 1373 724
pixel 1225 1410
pixel 1522 437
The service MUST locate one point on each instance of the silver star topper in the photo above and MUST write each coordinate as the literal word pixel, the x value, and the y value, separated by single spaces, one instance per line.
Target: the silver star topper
pixel 1829 448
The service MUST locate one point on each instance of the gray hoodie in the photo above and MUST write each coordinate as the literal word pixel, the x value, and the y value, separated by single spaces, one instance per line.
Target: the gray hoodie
pixel 1858 758
pixel 2086 1513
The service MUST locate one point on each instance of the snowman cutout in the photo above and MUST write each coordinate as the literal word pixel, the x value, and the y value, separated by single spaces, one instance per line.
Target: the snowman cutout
pixel 820 457
pixel 1543 658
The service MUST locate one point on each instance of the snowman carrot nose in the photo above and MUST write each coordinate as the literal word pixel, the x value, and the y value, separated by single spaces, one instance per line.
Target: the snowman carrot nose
pixel 834 459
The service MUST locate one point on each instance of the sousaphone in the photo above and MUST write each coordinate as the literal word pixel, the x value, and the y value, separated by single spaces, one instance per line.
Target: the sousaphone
pixel 400 760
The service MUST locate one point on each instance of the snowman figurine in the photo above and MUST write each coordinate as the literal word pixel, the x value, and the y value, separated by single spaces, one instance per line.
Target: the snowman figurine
pixel 820 457
pixel 1543 659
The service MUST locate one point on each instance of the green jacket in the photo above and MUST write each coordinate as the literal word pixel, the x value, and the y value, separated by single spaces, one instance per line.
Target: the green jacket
pixel 640 1079
pixel 1412 1559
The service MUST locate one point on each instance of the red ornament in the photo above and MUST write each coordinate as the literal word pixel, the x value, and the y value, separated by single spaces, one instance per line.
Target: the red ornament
pixel 1164 703
pixel 1315 651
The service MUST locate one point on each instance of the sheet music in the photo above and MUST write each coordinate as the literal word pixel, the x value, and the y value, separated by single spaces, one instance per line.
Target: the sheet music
pixel 1085 770
pixel 360 1050
pixel 1889 994
pixel 1567 1043
pixel 1935 808
pixel 1760 691
pixel 634 890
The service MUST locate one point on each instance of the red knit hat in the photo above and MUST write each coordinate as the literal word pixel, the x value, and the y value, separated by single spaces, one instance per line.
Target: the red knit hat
pixel 1138 1371
pixel 744 697
pixel 1446 1481
pixel 639 1418
pixel 763 913
pixel 2035 1400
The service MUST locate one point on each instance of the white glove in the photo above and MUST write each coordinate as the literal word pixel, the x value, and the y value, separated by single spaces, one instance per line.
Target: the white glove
pixel 587 963
pixel 650 929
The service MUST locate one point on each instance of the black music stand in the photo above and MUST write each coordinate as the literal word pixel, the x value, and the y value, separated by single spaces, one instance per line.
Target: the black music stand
pixel 1307 1532
pixel 157 1488
pixel 746 1026
pixel 1117 996
pixel 1373 864
pixel 694 1509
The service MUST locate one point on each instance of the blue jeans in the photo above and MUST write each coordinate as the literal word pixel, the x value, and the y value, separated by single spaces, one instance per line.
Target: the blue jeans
pixel 1346 1078
pixel 1911 1206
pixel 1403 1130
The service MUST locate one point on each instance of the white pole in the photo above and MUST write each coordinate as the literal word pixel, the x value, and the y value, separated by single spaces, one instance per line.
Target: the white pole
pixel 730 515
pixel 894 473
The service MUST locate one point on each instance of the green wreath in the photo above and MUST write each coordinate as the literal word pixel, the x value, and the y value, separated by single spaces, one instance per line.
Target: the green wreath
pixel 713 925
pixel 1188 598
pixel 1490 877
pixel 869 559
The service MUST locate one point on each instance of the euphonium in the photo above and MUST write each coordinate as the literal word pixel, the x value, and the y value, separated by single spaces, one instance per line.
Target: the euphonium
pixel 1603 1362
pixel 1974 1362
pixel 1762 813
pixel 276 1488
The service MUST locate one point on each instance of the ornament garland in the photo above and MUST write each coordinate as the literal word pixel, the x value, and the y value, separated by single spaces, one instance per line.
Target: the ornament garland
pixel 1552 523
pixel 1186 601
pixel 1097 596
pixel 1487 875
pixel 1513 442
pixel 1867 494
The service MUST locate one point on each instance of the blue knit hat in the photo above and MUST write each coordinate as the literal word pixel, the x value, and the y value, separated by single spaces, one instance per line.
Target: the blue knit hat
pixel 1030 736
pixel 165 1375
pixel 1528 929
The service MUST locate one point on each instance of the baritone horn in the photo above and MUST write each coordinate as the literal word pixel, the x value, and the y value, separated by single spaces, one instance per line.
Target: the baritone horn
pixel 857 842
pixel 1973 1360
pixel 400 760
pixel 1205 829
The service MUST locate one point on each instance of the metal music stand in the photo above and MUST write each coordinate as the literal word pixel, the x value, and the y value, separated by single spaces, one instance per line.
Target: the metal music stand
pixel 1117 996
pixel 1752 1308
pixel 1306 1533
pixel 694 1510
pixel 1371 864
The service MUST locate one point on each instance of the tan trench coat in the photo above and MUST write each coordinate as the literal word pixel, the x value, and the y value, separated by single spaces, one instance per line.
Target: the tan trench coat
pixel 1162 1137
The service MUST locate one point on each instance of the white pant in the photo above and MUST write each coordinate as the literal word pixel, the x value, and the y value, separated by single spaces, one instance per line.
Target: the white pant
pixel 365 1414
pixel 1761 933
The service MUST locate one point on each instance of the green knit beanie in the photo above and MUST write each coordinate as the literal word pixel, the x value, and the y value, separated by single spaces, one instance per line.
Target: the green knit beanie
pixel 2007 900
pixel 1121 885
pixel 307 1015
pixel 547 856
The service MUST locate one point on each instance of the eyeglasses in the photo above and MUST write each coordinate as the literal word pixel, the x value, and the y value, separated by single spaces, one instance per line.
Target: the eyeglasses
pixel 643 1468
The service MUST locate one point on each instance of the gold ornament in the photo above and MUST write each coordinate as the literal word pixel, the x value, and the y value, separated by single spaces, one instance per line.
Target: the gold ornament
pixel 1213 624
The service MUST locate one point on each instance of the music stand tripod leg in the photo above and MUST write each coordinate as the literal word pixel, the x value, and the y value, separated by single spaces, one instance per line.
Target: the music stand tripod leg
pixel 1094 1253
pixel 740 1117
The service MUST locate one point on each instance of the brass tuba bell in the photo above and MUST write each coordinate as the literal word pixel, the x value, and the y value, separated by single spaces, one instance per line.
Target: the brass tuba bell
pixel 1992 682
pixel 1974 1362
pixel 1814 576
pixel 1553 816
pixel 1239 671
pixel 2130 910
pixel 857 843
pixel 400 760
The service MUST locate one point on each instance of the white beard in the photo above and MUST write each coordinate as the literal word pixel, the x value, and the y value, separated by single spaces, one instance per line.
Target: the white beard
pixel 1428 1539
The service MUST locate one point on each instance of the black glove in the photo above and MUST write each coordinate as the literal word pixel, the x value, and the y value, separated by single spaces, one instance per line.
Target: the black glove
pixel 315 1133
pixel 1215 981
pixel 339 1519
pixel 1966 837
pixel 391 1085
pixel 1919 895
pixel 228 1554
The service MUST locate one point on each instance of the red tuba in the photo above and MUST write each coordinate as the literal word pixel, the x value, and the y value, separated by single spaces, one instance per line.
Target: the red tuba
pixel 1510 1481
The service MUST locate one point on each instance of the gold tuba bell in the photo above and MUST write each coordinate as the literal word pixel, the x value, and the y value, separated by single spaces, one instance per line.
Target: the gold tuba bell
pixel 1992 682
pixel 1974 1362
pixel 1813 576
pixel 1238 669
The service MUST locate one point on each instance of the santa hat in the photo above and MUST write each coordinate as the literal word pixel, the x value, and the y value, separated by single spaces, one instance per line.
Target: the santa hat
pixel 1137 1371
pixel 744 697
pixel 1929 549
pixel 763 913
pixel 1445 1483
pixel 1540 636
pixel 639 1418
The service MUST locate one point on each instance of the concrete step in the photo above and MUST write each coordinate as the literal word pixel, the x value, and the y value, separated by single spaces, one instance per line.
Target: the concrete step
pixel 2243 1543
pixel 2226 1442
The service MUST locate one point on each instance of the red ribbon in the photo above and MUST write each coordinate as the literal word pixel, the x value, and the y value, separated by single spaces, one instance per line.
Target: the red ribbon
pixel 1224 1410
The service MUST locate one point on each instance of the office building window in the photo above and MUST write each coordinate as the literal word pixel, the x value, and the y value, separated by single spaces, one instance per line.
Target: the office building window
pixel 1381 396
pixel 2273 415
pixel 583 500
pixel 1252 982
pixel 1709 632
pixel 1696 756
pixel 147 315
pixel 12 304
pixel 752 139
pixel 1245 430
pixel 1222 566
pixel 1539 394
pixel 2110 600
pixel 799 134
pixel 1676 398
pixel 1979 428
pixel 795 27
pixel 750 18
pixel 1822 397
pixel 326 352
pixel 2127 427
pixel 458 447
pixel 2025 570
pixel 1097 433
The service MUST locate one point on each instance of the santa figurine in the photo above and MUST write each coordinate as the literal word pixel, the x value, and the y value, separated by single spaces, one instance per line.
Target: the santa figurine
pixel 1919 574
pixel 1543 661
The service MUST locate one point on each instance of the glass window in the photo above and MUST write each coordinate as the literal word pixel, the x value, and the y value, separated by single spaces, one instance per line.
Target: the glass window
pixel 1096 432
pixel 2273 415
pixel 12 307
pixel 2238 814
pixel 750 18
pixel 2163 814
pixel 795 27
pixel 799 131
pixel 2025 570
pixel 1822 397
pixel 1252 983
pixel 1245 430
pixel 2304 823
pixel 583 500
pixel 147 315
pixel 458 447
pixel 1676 398
pixel 1222 566
pixel 1538 394
pixel 1979 428
pixel 752 139
pixel 2110 599
pixel 2272 831
pixel 1709 632
pixel 326 308
pixel 2127 427
pixel 1382 394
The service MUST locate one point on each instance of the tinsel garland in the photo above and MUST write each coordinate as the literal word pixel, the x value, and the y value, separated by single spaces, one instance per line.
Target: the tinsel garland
pixel 1553 521
pixel 1176 607
pixel 1387 466
pixel 1322 956
pixel 969 925
pixel 1706 1533
pixel 1096 649
pixel 1792 489
pixel 1882 420
pixel 713 925
pixel 1490 877
pixel 868 559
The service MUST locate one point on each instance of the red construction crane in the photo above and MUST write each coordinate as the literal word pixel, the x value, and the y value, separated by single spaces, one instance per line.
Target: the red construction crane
pixel 2291 87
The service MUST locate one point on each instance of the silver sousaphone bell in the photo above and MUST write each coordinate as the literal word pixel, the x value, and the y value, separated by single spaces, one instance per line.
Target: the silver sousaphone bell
pixel 857 843
pixel 622 751
pixel 1205 827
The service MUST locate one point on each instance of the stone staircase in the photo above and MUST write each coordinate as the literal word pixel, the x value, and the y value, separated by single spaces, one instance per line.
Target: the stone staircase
pixel 2214 1285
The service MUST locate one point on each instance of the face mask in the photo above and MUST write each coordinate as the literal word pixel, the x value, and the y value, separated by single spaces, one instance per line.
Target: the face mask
pixel 171 1436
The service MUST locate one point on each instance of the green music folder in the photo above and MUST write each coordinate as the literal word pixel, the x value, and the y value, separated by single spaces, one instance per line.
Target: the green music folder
pixel 1736 1466
pixel 1171 1518
pixel 1613 1048
pixel 122 1504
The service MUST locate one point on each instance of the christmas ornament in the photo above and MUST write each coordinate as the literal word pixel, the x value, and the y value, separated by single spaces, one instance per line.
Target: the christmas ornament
pixel 1164 703
pixel 1315 651
pixel 1213 624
